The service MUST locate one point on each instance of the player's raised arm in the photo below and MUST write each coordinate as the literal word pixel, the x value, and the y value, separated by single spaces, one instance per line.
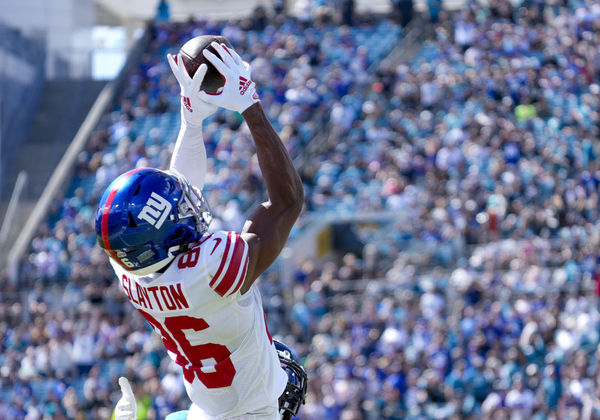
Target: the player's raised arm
pixel 267 229
pixel 189 155
pixel 269 226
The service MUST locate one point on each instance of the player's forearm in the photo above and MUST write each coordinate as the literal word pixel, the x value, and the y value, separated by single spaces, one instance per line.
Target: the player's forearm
pixel 283 182
pixel 189 155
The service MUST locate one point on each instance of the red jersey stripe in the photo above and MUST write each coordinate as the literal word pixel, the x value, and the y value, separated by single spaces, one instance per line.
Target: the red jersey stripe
pixel 242 277
pixel 233 268
pixel 223 261
pixel 267 328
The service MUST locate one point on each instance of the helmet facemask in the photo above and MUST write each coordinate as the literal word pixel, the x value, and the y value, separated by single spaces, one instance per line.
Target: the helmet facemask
pixel 192 204
pixel 294 394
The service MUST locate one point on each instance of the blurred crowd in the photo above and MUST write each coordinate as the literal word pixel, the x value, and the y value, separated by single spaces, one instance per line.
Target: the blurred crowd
pixel 484 144
pixel 499 337
pixel 486 140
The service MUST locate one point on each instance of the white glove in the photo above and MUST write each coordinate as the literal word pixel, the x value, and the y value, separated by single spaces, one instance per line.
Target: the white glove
pixel 126 408
pixel 193 109
pixel 239 92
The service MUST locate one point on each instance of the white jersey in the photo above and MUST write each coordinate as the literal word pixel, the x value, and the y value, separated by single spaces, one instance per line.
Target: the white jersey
pixel 217 335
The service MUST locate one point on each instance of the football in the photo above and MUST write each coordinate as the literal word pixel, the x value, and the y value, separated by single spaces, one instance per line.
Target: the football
pixel 191 52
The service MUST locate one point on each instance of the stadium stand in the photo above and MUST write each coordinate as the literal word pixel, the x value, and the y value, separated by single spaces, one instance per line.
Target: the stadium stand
pixel 485 142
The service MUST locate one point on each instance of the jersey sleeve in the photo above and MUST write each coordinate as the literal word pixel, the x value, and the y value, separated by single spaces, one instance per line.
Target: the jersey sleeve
pixel 229 262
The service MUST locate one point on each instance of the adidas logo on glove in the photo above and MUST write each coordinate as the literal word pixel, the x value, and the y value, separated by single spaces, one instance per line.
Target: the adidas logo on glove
pixel 244 85
pixel 187 103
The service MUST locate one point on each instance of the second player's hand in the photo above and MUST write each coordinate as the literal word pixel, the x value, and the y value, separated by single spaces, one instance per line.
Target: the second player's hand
pixel 239 91
pixel 126 408
pixel 193 109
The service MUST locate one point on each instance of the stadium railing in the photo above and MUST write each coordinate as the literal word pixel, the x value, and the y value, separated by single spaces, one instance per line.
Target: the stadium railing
pixel 13 205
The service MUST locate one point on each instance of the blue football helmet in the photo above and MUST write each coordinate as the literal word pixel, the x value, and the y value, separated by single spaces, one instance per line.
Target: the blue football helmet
pixel 294 394
pixel 147 216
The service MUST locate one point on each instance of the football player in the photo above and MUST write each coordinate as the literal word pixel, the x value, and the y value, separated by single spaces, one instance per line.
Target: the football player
pixel 197 289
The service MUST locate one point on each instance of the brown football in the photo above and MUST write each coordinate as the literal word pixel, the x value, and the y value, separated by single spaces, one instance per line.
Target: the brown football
pixel 191 52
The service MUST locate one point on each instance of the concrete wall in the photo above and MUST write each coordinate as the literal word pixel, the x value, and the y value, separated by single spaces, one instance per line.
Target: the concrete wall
pixel 65 27
pixel 21 81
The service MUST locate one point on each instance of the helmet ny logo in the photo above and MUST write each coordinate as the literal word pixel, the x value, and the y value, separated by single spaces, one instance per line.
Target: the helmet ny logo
pixel 244 85
pixel 155 211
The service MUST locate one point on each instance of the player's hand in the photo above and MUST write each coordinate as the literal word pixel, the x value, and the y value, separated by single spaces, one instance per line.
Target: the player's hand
pixel 193 109
pixel 239 91
pixel 126 408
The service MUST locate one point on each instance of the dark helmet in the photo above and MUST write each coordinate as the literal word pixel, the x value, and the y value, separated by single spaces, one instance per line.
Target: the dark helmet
pixel 295 391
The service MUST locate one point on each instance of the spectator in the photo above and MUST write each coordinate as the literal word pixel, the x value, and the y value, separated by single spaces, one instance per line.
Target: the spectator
pixel 163 13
